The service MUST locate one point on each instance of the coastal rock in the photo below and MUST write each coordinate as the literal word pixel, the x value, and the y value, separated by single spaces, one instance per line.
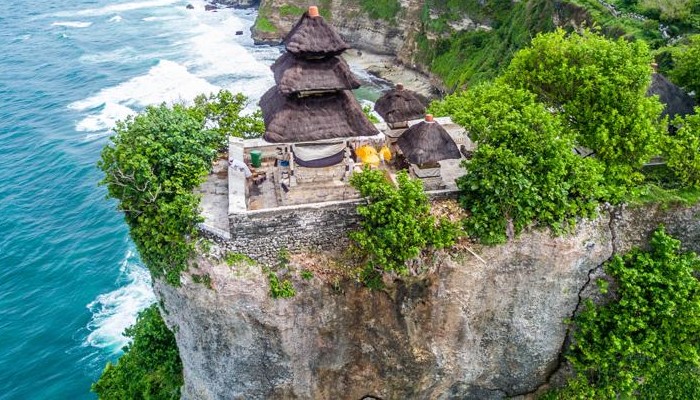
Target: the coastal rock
pixel 485 327
pixel 236 3
pixel 189 7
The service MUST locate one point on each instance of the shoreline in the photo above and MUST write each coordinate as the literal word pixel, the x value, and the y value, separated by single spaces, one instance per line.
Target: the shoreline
pixel 388 68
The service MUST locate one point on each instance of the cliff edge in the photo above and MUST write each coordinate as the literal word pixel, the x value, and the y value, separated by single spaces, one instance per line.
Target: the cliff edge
pixel 485 327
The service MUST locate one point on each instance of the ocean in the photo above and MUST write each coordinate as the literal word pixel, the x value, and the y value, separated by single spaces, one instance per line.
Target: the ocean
pixel 70 278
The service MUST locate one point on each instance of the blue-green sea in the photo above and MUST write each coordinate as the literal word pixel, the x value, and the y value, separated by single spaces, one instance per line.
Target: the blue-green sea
pixel 70 280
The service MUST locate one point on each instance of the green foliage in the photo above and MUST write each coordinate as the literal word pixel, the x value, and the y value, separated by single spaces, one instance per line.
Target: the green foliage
pixel 367 110
pixel 289 9
pixel 155 161
pixel 280 289
pixel 686 71
pixel 263 24
pixel 683 150
pixel 307 275
pixel 524 171
pixel 396 223
pixel 150 367
pixel 647 341
pixel 223 112
pixel 233 258
pixel 599 86
pixel 381 9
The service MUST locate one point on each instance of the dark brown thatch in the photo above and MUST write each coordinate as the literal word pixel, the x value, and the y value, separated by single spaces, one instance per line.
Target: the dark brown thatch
pixel 313 37
pixel 674 99
pixel 398 105
pixel 291 120
pixel 426 143
pixel 294 74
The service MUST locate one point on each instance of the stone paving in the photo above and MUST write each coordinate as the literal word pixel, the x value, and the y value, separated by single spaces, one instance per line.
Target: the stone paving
pixel 214 204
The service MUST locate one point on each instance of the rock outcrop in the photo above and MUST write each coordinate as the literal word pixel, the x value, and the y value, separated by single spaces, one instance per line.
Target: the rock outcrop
pixel 470 328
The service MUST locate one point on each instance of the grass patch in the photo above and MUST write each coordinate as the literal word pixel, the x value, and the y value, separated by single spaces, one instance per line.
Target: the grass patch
pixel 288 9
pixel 233 258
pixel 381 9
pixel 263 24
pixel 204 279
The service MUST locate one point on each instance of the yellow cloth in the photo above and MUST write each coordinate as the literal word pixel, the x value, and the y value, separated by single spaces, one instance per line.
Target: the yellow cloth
pixel 386 153
pixel 367 155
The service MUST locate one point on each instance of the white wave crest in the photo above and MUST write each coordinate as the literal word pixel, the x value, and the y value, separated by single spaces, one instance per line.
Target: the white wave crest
pixel 72 24
pixel 166 82
pixel 164 18
pixel 116 18
pixel 115 311
pixel 116 8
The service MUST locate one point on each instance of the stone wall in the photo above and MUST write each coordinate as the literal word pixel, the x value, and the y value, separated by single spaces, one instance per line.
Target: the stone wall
pixel 261 234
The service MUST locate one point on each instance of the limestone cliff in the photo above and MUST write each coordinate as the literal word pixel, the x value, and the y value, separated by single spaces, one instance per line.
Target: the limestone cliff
pixel 484 327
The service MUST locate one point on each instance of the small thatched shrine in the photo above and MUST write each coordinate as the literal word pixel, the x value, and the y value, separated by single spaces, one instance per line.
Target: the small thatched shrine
pixel 424 145
pixel 675 100
pixel 400 105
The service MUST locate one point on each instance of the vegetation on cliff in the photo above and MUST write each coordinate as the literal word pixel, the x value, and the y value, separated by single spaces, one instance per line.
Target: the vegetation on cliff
pixel 523 170
pixel 645 342
pixel 150 367
pixel 396 224
pixel 155 162
pixel 564 92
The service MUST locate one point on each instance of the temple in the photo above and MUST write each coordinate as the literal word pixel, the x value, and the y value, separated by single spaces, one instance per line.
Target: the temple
pixel 316 136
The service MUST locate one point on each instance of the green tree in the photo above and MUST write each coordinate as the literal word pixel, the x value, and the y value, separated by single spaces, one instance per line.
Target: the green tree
pixel 524 171
pixel 683 150
pixel 150 367
pixel 647 339
pixel 599 87
pixel 396 224
pixel 152 166
pixel 224 112
pixel 686 70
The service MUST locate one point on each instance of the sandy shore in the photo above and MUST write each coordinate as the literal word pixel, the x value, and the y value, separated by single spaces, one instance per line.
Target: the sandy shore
pixel 386 67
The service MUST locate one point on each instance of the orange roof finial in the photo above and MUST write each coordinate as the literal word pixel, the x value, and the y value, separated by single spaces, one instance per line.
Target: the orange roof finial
pixel 429 118
pixel 313 11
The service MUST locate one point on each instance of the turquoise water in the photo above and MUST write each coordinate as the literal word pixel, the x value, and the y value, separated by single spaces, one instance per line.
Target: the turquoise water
pixel 69 279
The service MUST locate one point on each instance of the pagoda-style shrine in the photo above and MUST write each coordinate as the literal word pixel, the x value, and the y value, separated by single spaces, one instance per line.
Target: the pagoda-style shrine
pixel 311 109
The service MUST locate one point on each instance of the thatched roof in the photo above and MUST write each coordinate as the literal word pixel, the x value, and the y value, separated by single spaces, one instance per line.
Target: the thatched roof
pixel 289 119
pixel 675 100
pixel 313 37
pixel 399 104
pixel 427 142
pixel 294 74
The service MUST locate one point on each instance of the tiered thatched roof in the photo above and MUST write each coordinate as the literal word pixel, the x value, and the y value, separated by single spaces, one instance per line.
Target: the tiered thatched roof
pixel 427 142
pixel 294 75
pixel 289 119
pixel 399 105
pixel 675 100
pixel 313 37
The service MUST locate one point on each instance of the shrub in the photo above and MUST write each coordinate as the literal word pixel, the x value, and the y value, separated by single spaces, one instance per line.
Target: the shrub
pixel 683 150
pixel 396 223
pixel 524 171
pixel 150 367
pixel 646 340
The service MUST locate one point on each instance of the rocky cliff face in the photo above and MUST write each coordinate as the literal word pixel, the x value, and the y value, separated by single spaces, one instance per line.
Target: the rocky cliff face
pixel 474 328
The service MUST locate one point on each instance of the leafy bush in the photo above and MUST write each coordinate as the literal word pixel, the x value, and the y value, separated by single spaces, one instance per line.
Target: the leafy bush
pixel 381 9
pixel 150 367
pixel 524 170
pixel 223 112
pixel 649 338
pixel 686 71
pixel 396 223
pixel 154 163
pixel 599 87
pixel 683 150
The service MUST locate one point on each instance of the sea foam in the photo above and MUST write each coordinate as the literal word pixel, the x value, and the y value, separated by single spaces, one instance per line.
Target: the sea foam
pixel 115 311
pixel 72 24
pixel 116 8
pixel 167 82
